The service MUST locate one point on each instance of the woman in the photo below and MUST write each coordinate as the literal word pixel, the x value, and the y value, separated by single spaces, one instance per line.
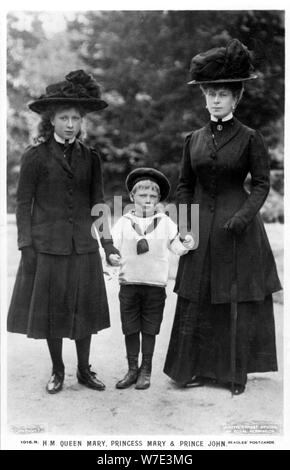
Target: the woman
pixel 59 290
pixel 233 250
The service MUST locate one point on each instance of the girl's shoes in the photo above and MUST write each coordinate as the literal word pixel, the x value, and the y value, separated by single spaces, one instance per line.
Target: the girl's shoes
pixel 55 383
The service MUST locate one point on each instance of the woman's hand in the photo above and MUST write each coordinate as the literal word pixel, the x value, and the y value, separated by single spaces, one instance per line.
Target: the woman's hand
pixel 188 242
pixel 114 260
pixel 29 259
pixel 235 225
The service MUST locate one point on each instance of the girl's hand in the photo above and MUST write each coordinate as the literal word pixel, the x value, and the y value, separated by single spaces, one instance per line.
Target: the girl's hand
pixel 115 259
pixel 188 242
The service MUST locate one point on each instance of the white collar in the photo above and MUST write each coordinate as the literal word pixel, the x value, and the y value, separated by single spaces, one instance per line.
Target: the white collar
pixel 226 118
pixel 131 214
pixel 60 140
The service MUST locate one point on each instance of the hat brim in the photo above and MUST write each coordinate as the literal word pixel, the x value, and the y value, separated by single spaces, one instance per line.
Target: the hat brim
pixel 222 80
pixel 140 174
pixel 89 104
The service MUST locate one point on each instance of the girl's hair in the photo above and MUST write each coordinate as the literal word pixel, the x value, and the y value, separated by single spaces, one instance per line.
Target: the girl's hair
pixel 45 129
pixel 237 88
pixel 145 184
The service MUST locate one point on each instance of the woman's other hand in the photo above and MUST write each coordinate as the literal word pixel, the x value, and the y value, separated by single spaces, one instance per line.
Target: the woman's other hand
pixel 188 242
pixel 114 260
pixel 235 225
pixel 29 259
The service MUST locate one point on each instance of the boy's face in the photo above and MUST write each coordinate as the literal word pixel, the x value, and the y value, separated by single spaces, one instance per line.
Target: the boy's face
pixel 145 200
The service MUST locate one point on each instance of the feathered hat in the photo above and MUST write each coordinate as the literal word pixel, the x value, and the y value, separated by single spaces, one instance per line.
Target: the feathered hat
pixel 78 88
pixel 232 63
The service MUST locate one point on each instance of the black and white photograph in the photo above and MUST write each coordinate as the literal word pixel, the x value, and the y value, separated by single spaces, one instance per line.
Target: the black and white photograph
pixel 142 288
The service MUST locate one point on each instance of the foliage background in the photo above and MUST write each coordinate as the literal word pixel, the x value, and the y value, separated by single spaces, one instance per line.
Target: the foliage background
pixel 141 59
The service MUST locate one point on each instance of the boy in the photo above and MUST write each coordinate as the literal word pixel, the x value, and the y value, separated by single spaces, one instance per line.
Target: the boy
pixel 144 238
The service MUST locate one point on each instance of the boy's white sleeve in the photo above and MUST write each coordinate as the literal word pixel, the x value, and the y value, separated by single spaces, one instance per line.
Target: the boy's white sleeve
pixel 117 233
pixel 174 243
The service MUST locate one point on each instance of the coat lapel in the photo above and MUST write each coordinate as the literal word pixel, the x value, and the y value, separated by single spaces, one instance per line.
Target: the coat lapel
pixel 228 134
pixel 76 154
pixel 225 136
pixel 56 151
pixel 209 138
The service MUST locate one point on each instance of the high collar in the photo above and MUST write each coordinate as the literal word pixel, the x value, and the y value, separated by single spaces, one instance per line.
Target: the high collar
pixel 230 129
pixel 60 140
pixel 224 119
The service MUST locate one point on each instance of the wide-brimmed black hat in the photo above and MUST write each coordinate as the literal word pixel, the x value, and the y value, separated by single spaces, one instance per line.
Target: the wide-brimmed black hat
pixel 78 88
pixel 143 173
pixel 232 63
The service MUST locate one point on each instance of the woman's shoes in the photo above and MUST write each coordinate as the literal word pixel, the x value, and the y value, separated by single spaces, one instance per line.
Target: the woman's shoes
pixel 195 381
pixel 55 382
pixel 238 389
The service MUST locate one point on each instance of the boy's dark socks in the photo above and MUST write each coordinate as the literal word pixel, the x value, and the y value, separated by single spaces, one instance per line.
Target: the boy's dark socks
pixel 148 343
pixel 132 344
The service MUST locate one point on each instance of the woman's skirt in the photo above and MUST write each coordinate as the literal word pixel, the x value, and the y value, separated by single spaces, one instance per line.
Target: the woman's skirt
pixel 200 338
pixel 64 297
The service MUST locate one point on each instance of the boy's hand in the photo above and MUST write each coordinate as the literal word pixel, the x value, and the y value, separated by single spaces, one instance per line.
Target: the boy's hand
pixel 114 260
pixel 188 242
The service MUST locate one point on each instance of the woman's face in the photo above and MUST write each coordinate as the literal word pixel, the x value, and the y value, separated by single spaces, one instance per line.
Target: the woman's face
pixel 67 123
pixel 220 101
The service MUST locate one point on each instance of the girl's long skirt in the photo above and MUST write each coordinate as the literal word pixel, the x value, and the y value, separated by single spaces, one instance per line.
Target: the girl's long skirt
pixel 64 297
pixel 200 338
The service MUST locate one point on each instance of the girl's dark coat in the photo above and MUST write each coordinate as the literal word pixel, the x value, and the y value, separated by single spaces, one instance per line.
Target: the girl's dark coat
pixel 212 176
pixel 65 296
pixel 62 196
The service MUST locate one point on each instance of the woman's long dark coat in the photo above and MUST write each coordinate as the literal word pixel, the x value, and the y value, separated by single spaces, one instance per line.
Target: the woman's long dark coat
pixel 65 296
pixel 213 176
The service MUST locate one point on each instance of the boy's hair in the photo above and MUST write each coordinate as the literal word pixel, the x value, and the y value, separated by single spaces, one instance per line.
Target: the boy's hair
pixel 145 184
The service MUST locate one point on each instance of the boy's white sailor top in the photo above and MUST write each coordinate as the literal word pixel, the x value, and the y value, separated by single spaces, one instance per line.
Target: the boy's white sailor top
pixel 151 267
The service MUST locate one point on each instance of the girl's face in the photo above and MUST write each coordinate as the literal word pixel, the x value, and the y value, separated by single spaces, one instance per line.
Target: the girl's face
pixel 220 101
pixel 67 123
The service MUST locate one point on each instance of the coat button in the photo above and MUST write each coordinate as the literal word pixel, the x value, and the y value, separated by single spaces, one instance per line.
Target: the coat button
pixel 70 220
pixel 211 208
pixel 70 191
pixel 70 175
pixel 213 155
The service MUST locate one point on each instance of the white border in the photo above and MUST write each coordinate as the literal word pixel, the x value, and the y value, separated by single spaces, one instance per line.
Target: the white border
pixel 281 442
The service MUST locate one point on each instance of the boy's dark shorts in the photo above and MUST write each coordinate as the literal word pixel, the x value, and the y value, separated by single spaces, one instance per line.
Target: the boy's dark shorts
pixel 141 308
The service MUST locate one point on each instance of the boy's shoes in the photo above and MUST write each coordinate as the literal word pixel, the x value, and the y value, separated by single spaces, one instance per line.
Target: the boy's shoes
pixel 143 381
pixel 89 379
pixel 55 383
pixel 129 379
pixel 132 374
pixel 144 376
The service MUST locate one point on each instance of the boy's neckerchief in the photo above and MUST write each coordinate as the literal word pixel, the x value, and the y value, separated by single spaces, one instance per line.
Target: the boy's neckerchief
pixel 142 244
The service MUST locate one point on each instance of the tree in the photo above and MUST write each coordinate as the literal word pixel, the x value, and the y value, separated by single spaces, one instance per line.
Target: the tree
pixel 142 59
